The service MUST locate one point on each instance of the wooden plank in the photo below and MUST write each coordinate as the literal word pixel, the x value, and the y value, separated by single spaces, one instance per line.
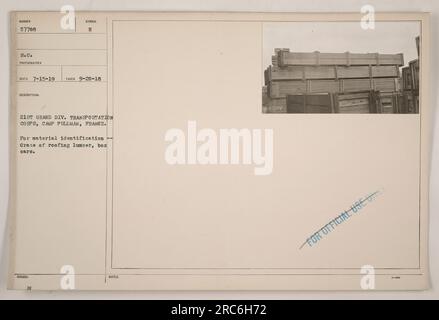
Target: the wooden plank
pixel 329 72
pixel 357 109
pixel 414 72
pixel 356 103
pixel 264 96
pixel 353 102
pixel 354 95
pixel 286 58
pixel 379 84
pixel 280 89
pixel 418 45
pixel 320 86
pixel 406 79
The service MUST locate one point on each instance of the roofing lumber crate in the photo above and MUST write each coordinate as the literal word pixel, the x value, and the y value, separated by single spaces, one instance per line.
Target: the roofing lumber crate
pixel 286 58
pixel 280 89
pixel 354 103
pixel 329 72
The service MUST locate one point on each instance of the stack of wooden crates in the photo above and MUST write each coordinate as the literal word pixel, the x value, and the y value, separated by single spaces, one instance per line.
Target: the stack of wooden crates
pixel 410 84
pixel 332 83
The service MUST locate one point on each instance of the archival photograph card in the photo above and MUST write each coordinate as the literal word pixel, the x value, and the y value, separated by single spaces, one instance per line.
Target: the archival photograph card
pixel 219 151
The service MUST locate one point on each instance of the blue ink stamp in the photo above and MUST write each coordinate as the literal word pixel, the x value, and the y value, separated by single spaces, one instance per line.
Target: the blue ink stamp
pixel 354 209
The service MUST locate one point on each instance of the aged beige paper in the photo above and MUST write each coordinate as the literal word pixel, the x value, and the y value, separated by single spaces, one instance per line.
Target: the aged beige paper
pixel 214 151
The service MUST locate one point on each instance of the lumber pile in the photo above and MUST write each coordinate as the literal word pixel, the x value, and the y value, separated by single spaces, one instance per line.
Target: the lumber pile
pixel 326 82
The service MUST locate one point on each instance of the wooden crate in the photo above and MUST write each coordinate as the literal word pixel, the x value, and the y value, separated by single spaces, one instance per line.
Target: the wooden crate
pixel 351 103
pixel 409 102
pixel 389 102
pixel 406 79
pixel 329 72
pixel 414 72
pixel 310 103
pixel 357 102
pixel 286 58
pixel 280 89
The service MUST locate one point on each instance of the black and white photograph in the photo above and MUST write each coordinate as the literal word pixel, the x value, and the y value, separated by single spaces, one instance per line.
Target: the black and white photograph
pixel 341 67
pixel 219 159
